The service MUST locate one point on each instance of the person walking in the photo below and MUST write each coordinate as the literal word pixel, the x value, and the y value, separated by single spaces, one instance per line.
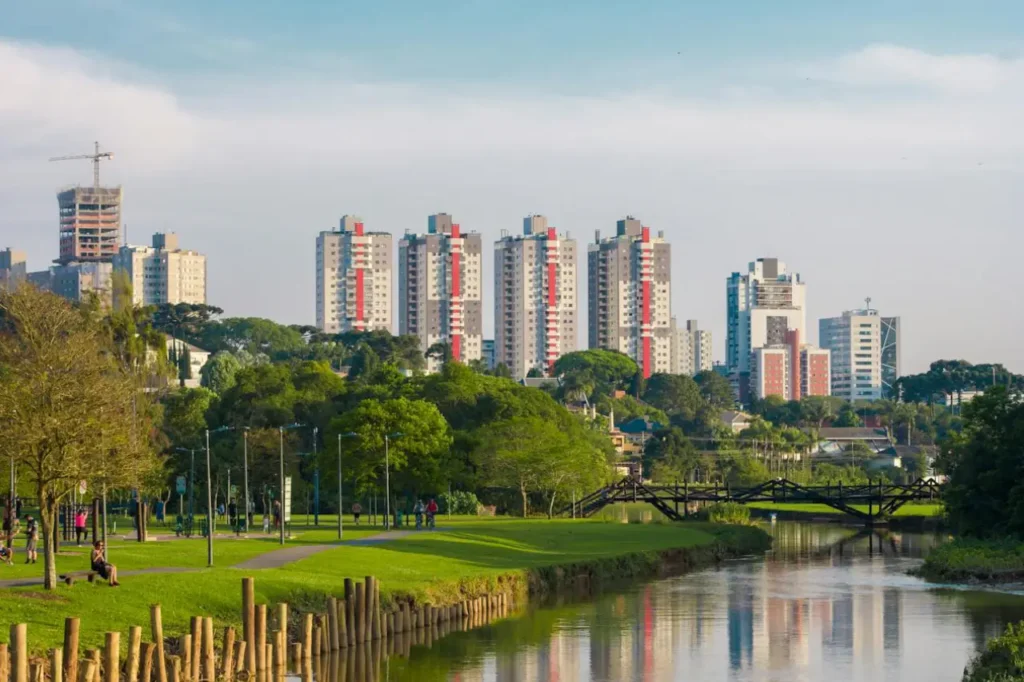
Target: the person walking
pixel 277 514
pixel 357 509
pixel 431 513
pixel 81 516
pixel 32 539
pixel 233 513
pixel 419 510
pixel 98 563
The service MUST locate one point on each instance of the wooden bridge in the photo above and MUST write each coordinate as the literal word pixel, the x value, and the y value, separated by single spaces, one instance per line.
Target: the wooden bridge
pixel 881 499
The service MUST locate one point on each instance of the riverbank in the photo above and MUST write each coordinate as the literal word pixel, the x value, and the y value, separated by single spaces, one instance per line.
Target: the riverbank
pixel 464 559
pixel 909 516
pixel 965 560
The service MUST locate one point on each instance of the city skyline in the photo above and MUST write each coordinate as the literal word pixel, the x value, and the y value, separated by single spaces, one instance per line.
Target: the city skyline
pixel 858 152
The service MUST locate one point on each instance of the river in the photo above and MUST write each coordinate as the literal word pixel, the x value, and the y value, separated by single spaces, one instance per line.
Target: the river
pixel 827 603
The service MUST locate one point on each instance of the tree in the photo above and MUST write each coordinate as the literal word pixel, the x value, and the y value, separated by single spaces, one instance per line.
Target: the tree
pixel 535 373
pixel 905 413
pixel 418 440
pixel 218 374
pixel 608 370
pixel 185 415
pixel 70 410
pixel 716 389
pixel 670 456
pixel 818 409
pixel 518 453
pixel 985 464
pixel 675 394
pixel 184 320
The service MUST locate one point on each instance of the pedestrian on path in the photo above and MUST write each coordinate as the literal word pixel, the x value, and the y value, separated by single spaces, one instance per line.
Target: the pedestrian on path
pixel 81 516
pixel 277 514
pixel 32 541
pixel 419 510
pixel 357 509
pixel 431 513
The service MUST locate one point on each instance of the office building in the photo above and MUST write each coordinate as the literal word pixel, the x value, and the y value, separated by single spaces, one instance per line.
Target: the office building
pixel 440 289
pixel 488 354
pixel 890 354
pixel 629 284
pixel 690 349
pixel 163 273
pixel 535 297
pixel 353 278
pixel 790 370
pixel 13 268
pixel 762 305
pixel 855 340
pixel 90 224
pixel 77 281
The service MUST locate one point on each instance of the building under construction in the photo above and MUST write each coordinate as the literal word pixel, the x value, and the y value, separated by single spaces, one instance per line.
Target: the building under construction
pixel 90 224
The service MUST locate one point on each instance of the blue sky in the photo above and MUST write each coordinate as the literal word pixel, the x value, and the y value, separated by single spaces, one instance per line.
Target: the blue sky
pixel 874 146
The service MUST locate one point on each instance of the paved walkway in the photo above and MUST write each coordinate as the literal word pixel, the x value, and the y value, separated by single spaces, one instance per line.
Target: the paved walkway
pixel 275 559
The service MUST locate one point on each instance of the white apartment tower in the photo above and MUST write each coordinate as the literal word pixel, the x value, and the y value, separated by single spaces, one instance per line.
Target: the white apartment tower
pixel 629 284
pixel 163 273
pixel 440 289
pixel 690 349
pixel 855 341
pixel 762 305
pixel 535 297
pixel 353 278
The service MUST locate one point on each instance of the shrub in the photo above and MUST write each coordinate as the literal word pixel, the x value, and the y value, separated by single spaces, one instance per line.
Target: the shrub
pixel 459 502
pixel 725 512
pixel 1003 658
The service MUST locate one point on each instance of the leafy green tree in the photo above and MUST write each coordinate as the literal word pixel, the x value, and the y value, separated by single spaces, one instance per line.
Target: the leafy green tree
pixel 518 453
pixel 418 441
pixel 501 370
pixel 716 390
pixel 535 373
pixel 627 408
pixel 745 470
pixel 674 394
pixel 218 374
pixel 817 409
pixel 184 416
pixel 670 456
pixel 847 417
pixel 608 370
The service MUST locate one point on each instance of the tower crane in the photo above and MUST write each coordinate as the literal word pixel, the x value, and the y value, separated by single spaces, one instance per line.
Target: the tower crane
pixel 95 157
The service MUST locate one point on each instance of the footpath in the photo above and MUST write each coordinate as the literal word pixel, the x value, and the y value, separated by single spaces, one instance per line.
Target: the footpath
pixel 275 559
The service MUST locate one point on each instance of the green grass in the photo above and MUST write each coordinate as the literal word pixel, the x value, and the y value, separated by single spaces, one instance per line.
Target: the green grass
pixel 467 557
pixel 907 510
pixel 969 560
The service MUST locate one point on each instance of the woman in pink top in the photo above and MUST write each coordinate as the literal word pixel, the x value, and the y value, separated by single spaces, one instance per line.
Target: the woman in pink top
pixel 80 518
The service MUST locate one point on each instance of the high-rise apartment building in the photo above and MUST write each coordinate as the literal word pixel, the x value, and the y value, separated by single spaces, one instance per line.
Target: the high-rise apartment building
pixel 690 349
pixel 535 297
pixel 163 273
pixel 855 340
pixel 76 281
pixel 353 278
pixel 790 370
pixel 90 224
pixel 762 305
pixel 440 289
pixel 13 268
pixel 890 331
pixel 629 284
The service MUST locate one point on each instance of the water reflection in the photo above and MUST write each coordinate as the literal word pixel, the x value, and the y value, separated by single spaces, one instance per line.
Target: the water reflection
pixel 827 603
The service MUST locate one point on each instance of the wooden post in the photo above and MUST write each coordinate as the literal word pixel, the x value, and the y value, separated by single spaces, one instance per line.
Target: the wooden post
pixel 367 608
pixel 249 621
pixel 227 660
pixel 197 645
pixel 56 665
pixel 307 636
pixel 360 611
pixel 375 607
pixel 343 624
pixel 316 639
pixel 157 625
pixel 88 671
pixel 240 647
pixel 332 622
pixel 148 649
pixel 186 656
pixel 280 660
pixel 209 669
pixel 350 610
pixel 134 650
pixel 296 655
pixel 19 653
pixel 112 657
pixel 71 626
pixel 175 669
pixel 261 639
pixel 5 663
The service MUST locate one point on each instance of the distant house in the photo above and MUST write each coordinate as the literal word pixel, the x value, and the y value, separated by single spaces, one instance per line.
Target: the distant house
pixel 834 441
pixel 539 382
pixel 197 358
pixel 737 421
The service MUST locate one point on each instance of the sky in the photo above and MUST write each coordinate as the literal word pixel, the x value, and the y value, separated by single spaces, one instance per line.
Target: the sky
pixel 875 147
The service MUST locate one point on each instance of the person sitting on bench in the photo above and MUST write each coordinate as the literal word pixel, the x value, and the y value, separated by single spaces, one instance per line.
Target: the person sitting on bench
pixel 7 554
pixel 100 565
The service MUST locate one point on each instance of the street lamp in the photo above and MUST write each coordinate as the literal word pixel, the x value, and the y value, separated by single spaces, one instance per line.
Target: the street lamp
pixel 341 506
pixel 245 475
pixel 281 430
pixel 316 482
pixel 387 478
pixel 209 495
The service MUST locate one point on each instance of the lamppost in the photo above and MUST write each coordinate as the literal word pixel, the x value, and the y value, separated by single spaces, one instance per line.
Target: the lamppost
pixel 245 475
pixel 209 495
pixel 281 430
pixel 316 482
pixel 387 478
pixel 341 505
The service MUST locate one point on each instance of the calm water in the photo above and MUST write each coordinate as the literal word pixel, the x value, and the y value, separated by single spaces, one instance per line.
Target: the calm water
pixel 826 604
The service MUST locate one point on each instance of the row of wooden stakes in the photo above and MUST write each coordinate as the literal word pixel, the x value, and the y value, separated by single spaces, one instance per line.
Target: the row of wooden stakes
pixel 349 623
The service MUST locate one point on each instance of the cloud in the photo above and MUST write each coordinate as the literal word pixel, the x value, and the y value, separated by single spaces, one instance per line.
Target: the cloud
pixel 897 66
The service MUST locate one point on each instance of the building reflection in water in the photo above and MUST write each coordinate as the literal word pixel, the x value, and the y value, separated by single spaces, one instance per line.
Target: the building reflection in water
pixel 829 603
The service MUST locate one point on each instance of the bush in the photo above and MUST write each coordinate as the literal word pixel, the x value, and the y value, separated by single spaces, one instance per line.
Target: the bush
pixel 970 559
pixel 460 502
pixel 726 512
pixel 1002 660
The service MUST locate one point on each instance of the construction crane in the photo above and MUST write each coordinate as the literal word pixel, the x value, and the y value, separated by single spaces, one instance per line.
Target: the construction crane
pixel 95 157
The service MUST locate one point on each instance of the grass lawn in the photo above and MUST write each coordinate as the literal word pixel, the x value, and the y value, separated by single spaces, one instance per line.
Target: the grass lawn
pixel 905 510
pixel 428 566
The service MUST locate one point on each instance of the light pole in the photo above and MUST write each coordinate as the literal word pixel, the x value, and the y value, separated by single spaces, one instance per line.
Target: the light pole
pixel 281 430
pixel 245 474
pixel 209 495
pixel 316 482
pixel 387 478
pixel 341 499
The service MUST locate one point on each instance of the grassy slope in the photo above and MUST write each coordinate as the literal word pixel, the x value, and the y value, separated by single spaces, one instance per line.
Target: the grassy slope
pixel 426 566
pixel 818 509
pixel 966 559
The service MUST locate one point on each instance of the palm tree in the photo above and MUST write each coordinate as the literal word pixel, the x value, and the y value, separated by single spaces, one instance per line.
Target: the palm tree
pixel 906 413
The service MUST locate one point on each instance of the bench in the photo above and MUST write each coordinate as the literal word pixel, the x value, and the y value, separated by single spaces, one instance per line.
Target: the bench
pixel 69 578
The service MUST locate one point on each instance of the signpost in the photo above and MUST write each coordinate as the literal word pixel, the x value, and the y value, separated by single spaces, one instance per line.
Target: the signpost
pixel 181 484
pixel 286 499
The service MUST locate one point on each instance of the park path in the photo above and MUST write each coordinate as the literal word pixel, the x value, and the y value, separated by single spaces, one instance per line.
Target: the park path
pixel 275 559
